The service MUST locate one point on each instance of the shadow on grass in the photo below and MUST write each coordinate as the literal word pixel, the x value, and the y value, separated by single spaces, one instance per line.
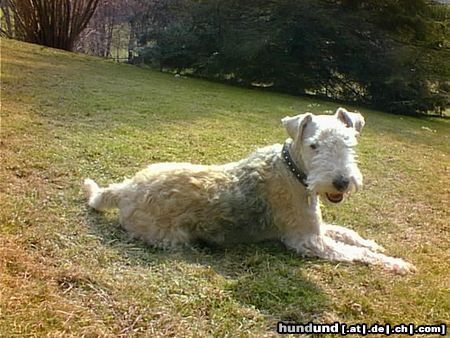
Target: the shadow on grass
pixel 265 276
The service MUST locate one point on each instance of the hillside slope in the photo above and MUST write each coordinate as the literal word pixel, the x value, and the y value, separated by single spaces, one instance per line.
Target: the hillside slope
pixel 68 271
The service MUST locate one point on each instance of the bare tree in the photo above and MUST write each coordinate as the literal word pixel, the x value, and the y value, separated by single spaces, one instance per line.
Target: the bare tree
pixel 96 37
pixel 53 23
pixel 112 27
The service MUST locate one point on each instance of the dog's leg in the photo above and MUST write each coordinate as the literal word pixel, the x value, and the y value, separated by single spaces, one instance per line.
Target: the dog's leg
pixel 327 248
pixel 348 236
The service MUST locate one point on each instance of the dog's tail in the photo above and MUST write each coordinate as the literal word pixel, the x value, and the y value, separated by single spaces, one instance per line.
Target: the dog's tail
pixel 102 198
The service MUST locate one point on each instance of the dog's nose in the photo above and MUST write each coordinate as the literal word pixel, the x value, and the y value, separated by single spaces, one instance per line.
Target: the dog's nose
pixel 341 183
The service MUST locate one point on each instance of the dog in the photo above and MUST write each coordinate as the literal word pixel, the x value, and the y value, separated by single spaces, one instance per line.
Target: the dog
pixel 274 194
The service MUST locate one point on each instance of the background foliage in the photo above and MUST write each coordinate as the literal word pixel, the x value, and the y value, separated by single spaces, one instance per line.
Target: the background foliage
pixel 390 54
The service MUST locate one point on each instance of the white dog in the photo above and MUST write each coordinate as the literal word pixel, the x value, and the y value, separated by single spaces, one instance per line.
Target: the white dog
pixel 272 194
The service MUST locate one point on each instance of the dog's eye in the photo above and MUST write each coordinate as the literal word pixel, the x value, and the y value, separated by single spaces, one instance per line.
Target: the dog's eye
pixel 314 146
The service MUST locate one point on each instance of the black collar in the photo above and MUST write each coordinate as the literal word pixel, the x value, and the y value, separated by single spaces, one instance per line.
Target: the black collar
pixel 296 171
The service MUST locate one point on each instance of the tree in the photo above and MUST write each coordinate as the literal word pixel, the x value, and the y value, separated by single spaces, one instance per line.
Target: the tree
pixel 391 54
pixel 114 22
pixel 53 23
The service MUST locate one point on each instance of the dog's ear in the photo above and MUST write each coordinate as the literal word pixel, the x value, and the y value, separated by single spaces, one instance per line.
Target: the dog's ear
pixel 342 114
pixel 296 124
pixel 351 120
pixel 358 121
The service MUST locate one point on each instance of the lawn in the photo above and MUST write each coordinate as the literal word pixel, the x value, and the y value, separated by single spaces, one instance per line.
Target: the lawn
pixel 68 271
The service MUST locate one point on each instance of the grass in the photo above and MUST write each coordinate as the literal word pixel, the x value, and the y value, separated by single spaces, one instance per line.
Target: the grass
pixel 67 271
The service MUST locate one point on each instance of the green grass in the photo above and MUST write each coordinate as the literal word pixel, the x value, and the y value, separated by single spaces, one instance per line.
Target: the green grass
pixel 68 271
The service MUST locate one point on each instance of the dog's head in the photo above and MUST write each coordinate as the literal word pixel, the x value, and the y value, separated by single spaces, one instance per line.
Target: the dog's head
pixel 323 146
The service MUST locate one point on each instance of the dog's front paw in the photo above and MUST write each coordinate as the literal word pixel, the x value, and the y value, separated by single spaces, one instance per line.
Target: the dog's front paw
pixel 399 266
